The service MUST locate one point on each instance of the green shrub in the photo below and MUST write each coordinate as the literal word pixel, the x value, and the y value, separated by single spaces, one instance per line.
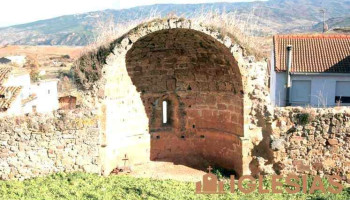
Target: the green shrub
pixel 222 173
pixel 303 118
pixel 88 68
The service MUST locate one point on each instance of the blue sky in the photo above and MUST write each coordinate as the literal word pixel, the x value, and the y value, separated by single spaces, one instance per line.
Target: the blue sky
pixel 23 11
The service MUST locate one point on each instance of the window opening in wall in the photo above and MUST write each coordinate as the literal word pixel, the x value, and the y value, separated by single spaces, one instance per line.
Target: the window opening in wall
pixel 342 92
pixel 165 112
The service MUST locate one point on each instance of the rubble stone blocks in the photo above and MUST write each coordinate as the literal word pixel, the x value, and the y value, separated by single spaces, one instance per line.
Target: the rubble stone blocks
pixel 28 150
pixel 319 146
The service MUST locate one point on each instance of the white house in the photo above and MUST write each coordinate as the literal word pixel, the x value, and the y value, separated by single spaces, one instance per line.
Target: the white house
pixel 310 70
pixel 18 60
pixel 18 96
pixel 46 96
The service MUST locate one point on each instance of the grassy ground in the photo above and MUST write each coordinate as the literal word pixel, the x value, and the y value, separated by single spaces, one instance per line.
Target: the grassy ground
pixel 87 186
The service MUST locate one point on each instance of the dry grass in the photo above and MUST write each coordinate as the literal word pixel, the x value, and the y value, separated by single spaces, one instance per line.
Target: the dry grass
pixel 109 30
pixel 241 30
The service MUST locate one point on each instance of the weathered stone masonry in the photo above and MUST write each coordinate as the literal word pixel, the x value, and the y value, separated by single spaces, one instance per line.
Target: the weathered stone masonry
pixel 41 145
pixel 206 81
pixel 312 141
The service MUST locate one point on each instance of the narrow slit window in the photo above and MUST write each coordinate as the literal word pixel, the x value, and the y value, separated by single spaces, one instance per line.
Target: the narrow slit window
pixel 165 112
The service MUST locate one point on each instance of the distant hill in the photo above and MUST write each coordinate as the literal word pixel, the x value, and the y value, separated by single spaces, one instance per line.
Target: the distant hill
pixel 274 16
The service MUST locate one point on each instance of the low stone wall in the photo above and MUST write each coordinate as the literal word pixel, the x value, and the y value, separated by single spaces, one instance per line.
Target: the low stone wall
pixel 43 144
pixel 311 141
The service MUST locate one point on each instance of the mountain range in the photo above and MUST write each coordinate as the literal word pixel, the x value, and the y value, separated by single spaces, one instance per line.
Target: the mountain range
pixel 270 17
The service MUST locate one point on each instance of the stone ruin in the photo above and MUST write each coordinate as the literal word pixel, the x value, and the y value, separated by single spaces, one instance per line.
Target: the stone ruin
pixel 173 90
pixel 212 93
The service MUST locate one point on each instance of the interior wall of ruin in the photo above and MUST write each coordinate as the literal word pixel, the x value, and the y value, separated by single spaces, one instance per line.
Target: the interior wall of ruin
pixel 201 83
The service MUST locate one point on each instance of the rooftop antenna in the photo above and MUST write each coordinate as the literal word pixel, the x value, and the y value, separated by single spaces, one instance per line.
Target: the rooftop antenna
pixel 325 26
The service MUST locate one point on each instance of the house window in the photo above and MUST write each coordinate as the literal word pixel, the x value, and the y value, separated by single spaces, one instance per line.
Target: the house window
pixel 301 91
pixel 342 92
pixel 165 112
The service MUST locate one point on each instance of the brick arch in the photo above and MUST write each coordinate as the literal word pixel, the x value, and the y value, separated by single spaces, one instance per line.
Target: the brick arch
pixel 197 74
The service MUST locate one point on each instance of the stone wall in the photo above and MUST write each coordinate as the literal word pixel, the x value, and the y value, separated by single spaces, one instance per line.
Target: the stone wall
pixel 39 145
pixel 311 141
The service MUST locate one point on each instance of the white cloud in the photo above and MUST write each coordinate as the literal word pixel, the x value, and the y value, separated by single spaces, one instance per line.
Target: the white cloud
pixel 23 11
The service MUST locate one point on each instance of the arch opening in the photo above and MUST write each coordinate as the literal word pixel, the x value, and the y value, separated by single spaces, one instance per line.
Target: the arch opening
pixel 199 80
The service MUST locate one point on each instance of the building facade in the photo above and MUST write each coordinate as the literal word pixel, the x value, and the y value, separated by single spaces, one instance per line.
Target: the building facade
pixel 318 74
pixel 19 96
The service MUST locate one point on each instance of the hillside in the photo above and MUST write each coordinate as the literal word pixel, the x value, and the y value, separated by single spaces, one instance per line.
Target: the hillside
pixel 269 17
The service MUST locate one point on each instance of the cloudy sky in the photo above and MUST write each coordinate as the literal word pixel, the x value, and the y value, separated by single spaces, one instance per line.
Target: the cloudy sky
pixel 23 11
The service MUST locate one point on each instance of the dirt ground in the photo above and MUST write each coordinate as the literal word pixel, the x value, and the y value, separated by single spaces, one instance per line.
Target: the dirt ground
pixel 53 60
pixel 167 170
pixel 41 51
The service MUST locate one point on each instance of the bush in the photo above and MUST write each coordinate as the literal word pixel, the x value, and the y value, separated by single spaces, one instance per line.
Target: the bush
pixel 88 68
pixel 65 57
pixel 34 67
pixel 34 74
pixel 303 118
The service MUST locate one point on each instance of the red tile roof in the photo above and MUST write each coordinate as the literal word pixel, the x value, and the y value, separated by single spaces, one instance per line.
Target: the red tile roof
pixel 29 99
pixel 4 73
pixel 7 94
pixel 6 101
pixel 314 53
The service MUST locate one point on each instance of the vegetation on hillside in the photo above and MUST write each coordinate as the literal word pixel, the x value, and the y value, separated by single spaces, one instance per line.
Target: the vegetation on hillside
pixel 273 16
pixel 88 186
